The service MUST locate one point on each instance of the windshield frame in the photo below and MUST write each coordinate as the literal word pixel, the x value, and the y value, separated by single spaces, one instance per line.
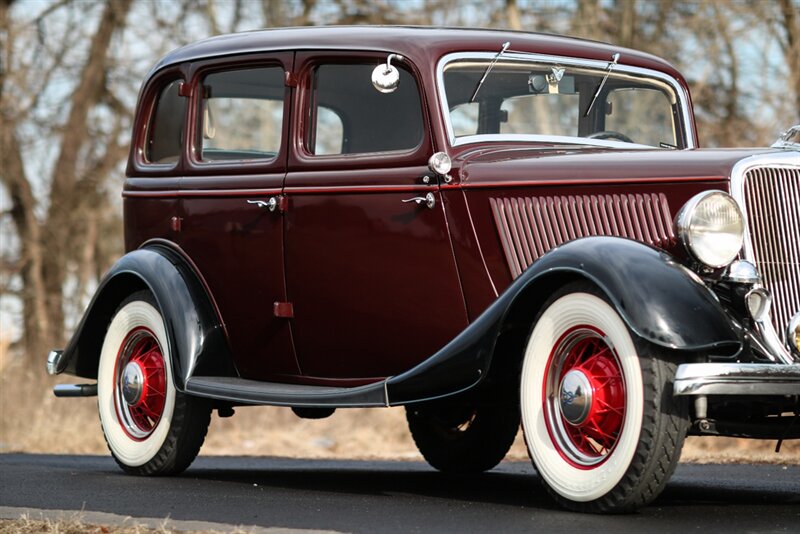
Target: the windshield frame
pixel 680 93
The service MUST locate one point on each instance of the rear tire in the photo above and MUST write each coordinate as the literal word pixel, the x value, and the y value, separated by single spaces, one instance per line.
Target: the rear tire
pixel 601 424
pixel 456 439
pixel 150 427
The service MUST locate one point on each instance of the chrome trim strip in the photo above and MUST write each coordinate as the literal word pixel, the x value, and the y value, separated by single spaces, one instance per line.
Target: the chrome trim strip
pixel 563 139
pixel 600 65
pixel 737 379
pixel 789 160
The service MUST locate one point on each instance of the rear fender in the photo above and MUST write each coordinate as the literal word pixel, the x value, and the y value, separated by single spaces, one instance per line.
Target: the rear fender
pixel 195 334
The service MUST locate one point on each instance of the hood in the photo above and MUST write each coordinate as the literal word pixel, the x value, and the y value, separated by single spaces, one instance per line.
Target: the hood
pixel 502 165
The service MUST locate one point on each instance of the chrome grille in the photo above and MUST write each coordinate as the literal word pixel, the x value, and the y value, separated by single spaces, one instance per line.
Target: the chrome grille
pixel 530 226
pixel 772 202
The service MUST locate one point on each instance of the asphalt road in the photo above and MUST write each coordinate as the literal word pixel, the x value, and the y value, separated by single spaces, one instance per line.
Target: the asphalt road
pixel 373 497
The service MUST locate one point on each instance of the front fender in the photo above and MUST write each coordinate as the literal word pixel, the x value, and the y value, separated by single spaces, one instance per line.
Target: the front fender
pixel 659 299
pixel 195 334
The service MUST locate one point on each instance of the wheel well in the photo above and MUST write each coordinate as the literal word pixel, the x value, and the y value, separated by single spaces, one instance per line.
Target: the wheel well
pixel 517 324
pixel 102 310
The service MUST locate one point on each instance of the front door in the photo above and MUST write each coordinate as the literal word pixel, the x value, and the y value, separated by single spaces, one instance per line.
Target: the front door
pixel 370 272
pixel 238 164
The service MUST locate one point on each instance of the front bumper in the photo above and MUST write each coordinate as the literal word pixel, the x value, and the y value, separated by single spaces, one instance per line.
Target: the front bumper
pixel 737 379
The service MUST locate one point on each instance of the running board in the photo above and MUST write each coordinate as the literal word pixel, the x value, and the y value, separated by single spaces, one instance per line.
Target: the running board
pixel 245 391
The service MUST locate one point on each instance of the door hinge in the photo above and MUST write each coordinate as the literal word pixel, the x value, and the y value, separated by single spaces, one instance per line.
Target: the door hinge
pixel 290 80
pixel 283 309
pixel 283 203
pixel 176 224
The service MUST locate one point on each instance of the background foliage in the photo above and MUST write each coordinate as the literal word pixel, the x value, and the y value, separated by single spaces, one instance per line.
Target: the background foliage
pixel 70 71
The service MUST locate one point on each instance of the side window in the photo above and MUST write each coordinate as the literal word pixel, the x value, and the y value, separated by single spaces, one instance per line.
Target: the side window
pixel 165 130
pixel 349 116
pixel 242 114
pixel 330 122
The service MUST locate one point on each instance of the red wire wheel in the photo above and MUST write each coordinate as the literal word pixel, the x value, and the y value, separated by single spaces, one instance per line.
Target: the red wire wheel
pixel 584 397
pixel 140 386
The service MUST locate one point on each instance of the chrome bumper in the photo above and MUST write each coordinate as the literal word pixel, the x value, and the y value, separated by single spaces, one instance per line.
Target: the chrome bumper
pixel 737 379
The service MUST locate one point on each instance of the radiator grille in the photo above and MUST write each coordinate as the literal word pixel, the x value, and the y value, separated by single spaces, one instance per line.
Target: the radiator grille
pixel 530 226
pixel 772 202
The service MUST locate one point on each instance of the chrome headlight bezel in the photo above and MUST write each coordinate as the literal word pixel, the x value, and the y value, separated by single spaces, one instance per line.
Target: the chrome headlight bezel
pixel 685 226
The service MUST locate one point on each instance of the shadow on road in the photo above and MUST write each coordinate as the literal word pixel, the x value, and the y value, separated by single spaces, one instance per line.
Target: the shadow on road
pixel 511 484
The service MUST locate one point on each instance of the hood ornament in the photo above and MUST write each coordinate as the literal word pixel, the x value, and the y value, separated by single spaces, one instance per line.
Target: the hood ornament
pixel 789 139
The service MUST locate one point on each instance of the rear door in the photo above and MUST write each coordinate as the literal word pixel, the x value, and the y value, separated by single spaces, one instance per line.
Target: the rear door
pixel 236 167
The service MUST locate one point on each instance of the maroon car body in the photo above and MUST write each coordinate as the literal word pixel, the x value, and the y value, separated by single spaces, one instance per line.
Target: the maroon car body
pixel 323 259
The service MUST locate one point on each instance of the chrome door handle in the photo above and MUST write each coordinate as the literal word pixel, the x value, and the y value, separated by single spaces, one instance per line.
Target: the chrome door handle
pixel 428 199
pixel 270 204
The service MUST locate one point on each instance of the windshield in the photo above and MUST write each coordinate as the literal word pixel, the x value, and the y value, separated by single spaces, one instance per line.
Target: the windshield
pixel 522 99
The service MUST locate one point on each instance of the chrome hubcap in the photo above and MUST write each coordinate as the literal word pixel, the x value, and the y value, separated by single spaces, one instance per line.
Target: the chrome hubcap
pixel 132 383
pixel 575 397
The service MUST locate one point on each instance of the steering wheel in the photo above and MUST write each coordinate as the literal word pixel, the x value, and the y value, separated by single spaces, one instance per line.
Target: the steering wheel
pixel 609 134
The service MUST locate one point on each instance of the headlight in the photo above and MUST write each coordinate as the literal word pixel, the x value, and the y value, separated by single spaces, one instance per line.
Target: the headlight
pixel 711 228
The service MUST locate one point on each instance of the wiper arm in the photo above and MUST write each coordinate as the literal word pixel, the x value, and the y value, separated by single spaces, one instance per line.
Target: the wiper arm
pixel 610 66
pixel 488 69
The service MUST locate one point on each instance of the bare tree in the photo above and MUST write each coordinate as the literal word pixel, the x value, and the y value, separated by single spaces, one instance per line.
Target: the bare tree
pixel 49 243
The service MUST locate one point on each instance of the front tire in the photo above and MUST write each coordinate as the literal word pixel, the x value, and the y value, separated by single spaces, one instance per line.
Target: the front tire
pixel 149 426
pixel 602 427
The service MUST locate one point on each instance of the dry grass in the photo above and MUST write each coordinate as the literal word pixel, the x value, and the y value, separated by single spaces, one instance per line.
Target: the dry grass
pixel 32 420
pixel 25 525
pixel 58 522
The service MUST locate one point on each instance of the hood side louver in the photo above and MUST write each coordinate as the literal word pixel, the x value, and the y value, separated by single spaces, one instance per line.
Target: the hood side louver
pixel 530 226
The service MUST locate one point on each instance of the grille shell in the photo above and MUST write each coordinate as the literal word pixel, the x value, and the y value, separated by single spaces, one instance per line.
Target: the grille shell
pixel 770 196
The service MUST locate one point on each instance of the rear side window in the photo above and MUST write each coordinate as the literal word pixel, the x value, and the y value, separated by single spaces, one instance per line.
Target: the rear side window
pixel 242 114
pixel 165 132
pixel 349 116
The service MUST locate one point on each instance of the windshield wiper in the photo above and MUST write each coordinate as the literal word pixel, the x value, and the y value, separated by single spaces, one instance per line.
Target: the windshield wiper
pixel 488 69
pixel 610 66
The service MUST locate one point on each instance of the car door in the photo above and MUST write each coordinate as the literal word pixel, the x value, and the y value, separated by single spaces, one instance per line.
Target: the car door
pixel 232 227
pixel 371 275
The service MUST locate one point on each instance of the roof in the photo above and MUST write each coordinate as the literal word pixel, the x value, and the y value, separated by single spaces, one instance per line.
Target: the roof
pixel 420 44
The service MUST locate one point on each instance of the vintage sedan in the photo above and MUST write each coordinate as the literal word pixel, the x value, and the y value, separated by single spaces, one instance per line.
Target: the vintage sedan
pixel 482 226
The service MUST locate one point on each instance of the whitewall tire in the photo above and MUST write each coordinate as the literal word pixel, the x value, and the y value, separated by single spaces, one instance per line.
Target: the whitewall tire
pixel 150 427
pixel 600 423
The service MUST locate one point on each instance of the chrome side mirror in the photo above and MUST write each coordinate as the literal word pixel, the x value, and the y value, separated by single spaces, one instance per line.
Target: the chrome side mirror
pixel 386 78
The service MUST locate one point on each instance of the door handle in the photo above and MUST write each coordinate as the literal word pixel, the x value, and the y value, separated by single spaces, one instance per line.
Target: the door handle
pixel 271 204
pixel 428 199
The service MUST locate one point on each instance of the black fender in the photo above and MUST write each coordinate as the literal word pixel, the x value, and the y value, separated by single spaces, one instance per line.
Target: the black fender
pixel 661 301
pixel 197 340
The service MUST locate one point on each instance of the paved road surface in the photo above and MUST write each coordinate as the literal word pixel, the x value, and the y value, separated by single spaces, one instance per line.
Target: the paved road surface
pixel 374 497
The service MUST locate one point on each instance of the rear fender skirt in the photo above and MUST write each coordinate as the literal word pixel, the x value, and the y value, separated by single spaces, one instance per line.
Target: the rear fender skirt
pixel 661 301
pixel 196 337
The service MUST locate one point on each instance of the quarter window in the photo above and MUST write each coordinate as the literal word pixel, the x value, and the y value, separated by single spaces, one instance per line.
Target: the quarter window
pixel 165 131
pixel 349 116
pixel 242 114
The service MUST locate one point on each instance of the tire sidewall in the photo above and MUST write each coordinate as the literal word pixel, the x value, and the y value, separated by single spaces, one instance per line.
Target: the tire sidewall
pixel 129 451
pixel 579 484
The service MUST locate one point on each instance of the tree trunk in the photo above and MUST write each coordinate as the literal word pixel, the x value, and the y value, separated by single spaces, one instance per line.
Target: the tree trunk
pixel 61 239
pixel 791 26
